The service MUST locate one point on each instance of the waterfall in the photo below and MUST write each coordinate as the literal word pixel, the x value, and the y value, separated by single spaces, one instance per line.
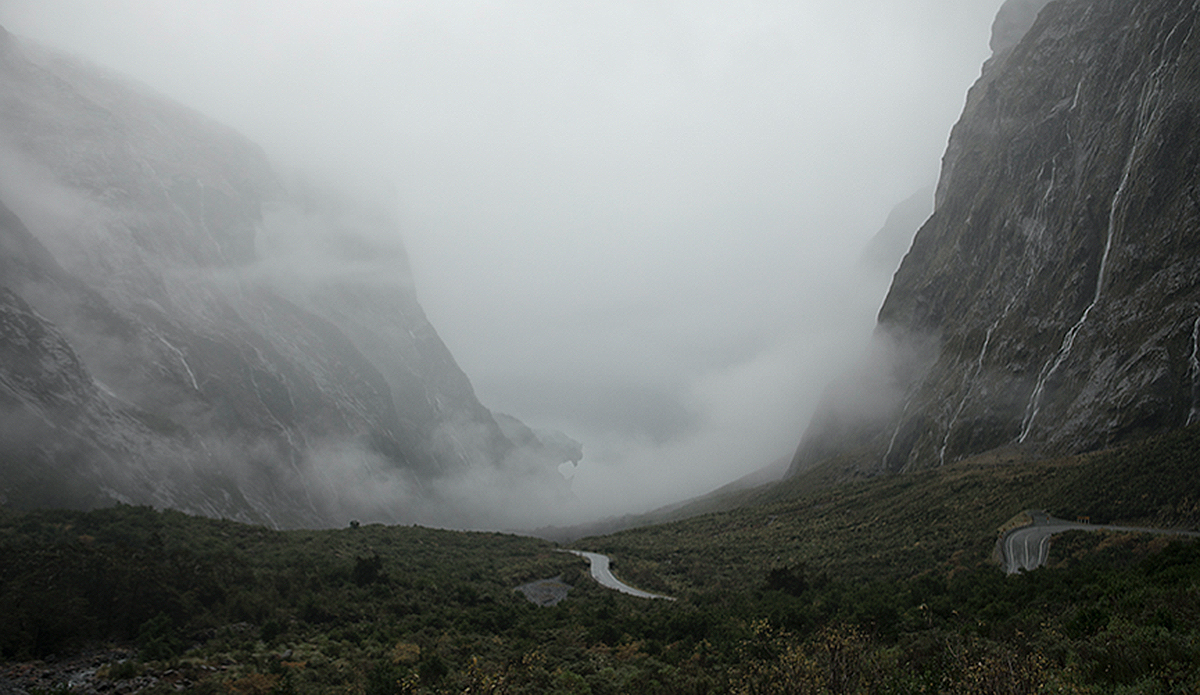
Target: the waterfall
pixel 1147 110
pixel 1041 209
pixel 183 214
pixel 182 359
pixel 968 384
pixel 294 449
pixel 896 432
pixel 1194 371
pixel 972 377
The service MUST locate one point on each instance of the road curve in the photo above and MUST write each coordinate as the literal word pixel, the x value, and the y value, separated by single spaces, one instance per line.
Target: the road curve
pixel 1026 548
pixel 602 574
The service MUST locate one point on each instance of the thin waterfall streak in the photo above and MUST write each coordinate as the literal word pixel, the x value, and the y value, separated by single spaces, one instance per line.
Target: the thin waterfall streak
pixel 1174 29
pixel 36 409
pixel 1194 372
pixel 183 215
pixel 182 359
pixel 293 449
pixel 972 378
pixel 1050 188
pixel 968 387
pixel 970 381
pixel 1145 118
pixel 1195 347
pixel 1034 408
pixel 896 432
pixel 1112 222
pixel 109 392
pixel 1143 123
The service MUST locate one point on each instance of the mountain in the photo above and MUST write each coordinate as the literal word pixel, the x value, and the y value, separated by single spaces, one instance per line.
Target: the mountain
pixel 886 249
pixel 183 327
pixel 1052 300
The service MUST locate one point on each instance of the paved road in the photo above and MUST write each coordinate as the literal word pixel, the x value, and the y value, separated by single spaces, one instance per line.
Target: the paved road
pixel 602 574
pixel 1026 548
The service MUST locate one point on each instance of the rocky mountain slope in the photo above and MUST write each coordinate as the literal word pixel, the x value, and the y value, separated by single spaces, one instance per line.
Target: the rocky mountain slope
pixel 1052 301
pixel 885 250
pixel 183 328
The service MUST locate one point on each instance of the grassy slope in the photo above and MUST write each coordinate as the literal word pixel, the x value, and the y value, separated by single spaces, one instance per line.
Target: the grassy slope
pixel 900 526
pixel 124 565
pixel 892 573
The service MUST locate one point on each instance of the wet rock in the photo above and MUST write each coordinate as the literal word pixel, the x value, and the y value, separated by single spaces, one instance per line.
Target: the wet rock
pixel 1056 287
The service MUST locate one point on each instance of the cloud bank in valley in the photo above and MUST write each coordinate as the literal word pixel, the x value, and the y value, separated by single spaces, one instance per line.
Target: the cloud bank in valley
pixel 636 222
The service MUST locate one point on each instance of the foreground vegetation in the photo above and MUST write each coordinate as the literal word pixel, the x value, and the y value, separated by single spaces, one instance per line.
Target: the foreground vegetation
pixel 881 586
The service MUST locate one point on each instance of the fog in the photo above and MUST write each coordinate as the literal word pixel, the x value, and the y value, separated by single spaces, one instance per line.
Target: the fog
pixel 637 222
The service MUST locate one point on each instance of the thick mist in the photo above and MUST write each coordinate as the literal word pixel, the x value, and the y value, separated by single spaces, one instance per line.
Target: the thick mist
pixel 638 223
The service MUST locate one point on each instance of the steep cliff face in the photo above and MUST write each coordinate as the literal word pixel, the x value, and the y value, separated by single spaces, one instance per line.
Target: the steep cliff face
pixel 1053 298
pixel 149 250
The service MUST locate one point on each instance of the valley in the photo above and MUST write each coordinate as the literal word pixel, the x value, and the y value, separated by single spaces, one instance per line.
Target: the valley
pixel 889 582
pixel 237 458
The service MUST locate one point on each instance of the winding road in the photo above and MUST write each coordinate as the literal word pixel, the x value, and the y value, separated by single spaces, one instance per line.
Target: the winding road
pixel 602 574
pixel 1026 548
pixel 1022 549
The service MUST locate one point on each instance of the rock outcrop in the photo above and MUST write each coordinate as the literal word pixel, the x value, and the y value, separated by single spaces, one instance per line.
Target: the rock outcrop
pixel 1053 298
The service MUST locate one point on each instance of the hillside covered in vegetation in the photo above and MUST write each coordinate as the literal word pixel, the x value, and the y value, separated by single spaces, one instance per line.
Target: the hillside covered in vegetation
pixel 885 585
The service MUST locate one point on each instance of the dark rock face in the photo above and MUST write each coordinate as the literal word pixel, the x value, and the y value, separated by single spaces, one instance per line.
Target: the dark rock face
pixel 163 351
pixel 1053 298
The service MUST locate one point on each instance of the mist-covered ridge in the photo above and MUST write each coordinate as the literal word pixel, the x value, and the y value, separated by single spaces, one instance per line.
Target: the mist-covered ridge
pixel 1052 299
pixel 185 327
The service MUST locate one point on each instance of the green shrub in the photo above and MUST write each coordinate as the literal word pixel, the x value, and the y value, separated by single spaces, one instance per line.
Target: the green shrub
pixel 367 570
pixel 157 640
pixel 433 669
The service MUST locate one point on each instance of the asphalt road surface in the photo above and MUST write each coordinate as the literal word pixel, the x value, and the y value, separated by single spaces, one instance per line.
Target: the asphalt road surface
pixel 1026 548
pixel 602 574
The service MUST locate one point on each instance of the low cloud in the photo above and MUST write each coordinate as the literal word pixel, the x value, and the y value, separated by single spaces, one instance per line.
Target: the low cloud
pixel 633 222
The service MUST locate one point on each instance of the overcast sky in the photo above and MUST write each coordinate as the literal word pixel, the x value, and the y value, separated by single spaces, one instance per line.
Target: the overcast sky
pixel 635 221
